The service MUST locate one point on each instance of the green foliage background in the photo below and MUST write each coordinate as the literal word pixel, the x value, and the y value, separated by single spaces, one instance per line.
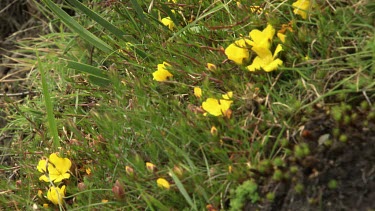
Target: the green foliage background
pixel 99 106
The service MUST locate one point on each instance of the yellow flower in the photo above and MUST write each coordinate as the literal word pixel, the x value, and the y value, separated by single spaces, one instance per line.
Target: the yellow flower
pixel 228 95
pixel 301 8
pixel 45 205
pixel 168 22
pixel 150 166
pixel 129 170
pixel 211 67
pixel 261 39
pixel 239 4
pixel 284 28
pixel 256 9
pixel 56 194
pixel 238 52
pixel 218 107
pixel 40 194
pixel 198 92
pixel 104 200
pixel 163 183
pixel 213 131
pixel 162 74
pixel 266 60
pixel 88 171
pixel 55 170
pixel 174 1
pixel 178 170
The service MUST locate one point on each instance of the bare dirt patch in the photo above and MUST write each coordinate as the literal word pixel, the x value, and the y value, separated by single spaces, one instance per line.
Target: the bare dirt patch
pixel 337 171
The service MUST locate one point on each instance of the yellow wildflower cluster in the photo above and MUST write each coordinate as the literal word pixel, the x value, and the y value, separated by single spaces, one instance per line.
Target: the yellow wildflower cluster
pixel 256 51
pixel 260 43
pixel 55 170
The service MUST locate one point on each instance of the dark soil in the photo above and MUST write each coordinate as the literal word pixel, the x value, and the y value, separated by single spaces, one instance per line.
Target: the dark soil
pixel 338 172
pixel 15 20
pixel 18 20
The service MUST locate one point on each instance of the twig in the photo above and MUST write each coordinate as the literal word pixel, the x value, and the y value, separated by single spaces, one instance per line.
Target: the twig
pixel 17 94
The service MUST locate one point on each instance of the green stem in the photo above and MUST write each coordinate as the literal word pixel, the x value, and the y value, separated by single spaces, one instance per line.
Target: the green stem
pixel 49 107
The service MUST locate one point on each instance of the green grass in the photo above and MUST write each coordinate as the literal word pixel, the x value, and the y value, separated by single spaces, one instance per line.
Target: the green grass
pixel 109 112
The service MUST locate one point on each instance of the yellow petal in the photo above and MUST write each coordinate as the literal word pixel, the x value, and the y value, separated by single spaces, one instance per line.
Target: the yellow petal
pixel 129 170
pixel 237 54
pixel 217 107
pixel 256 35
pixel 263 38
pixel 198 92
pixel 88 171
pixel 61 164
pixel 262 52
pixel 211 67
pixel 256 65
pixel 150 166
pixel 42 166
pixel 281 37
pixel 163 183
pixel 40 192
pixel 44 178
pixel 301 8
pixel 269 31
pixel 168 22
pixel 212 106
pixel 273 65
pixel 225 105
pixel 161 74
pixel 277 50
pixel 213 131
pixel 56 194
pixel 256 9
pixel 57 169
pixel 228 95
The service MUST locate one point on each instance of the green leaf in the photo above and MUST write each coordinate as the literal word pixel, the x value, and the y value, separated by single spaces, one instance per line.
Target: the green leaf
pixel 49 105
pixel 77 28
pixel 104 23
pixel 139 11
pixel 96 75
pixel 107 25
pixel 183 191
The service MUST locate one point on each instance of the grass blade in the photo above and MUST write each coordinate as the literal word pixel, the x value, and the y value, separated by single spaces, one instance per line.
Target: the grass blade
pixel 107 25
pixel 183 191
pixel 76 27
pixel 49 106
pixel 139 11
pixel 97 75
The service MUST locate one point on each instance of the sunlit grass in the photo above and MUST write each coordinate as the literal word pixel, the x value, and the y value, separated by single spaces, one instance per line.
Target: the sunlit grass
pixel 111 115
